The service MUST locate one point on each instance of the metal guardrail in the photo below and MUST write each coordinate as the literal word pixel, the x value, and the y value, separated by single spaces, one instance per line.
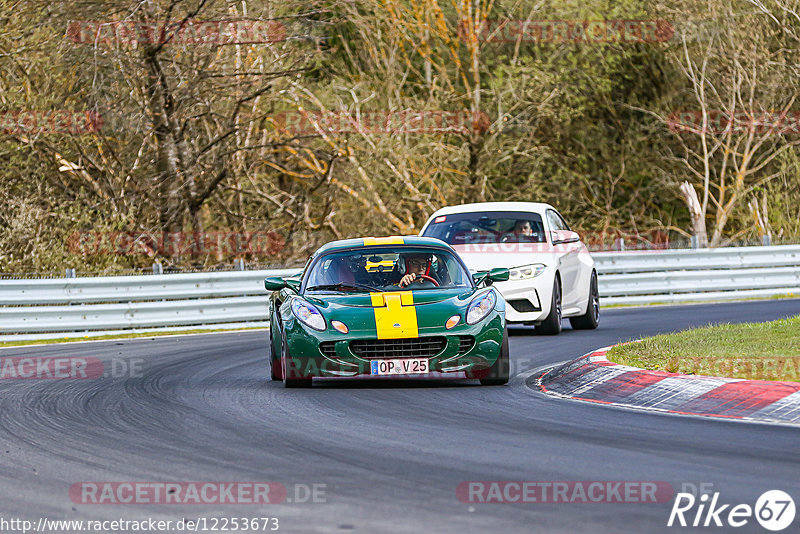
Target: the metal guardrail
pixel 649 277
pixel 41 308
pixel 92 306
pixel 110 289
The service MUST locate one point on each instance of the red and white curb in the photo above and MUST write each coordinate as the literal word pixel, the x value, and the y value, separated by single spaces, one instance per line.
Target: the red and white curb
pixel 593 378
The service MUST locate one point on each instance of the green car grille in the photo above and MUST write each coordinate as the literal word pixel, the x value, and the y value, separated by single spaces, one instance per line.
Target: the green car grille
pixel 422 347
pixel 328 348
pixel 465 344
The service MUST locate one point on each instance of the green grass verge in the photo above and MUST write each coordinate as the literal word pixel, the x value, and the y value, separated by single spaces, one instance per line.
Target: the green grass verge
pixel 754 351
pixel 117 336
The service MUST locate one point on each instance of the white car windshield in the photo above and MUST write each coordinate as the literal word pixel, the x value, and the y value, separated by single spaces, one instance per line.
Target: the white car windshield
pixel 487 227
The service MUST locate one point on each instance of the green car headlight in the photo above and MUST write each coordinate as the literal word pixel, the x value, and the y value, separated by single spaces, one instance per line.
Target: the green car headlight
pixel 480 307
pixel 308 314
pixel 526 271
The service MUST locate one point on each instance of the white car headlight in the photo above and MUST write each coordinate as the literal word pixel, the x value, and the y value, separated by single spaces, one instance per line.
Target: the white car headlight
pixel 526 271
pixel 308 314
pixel 480 307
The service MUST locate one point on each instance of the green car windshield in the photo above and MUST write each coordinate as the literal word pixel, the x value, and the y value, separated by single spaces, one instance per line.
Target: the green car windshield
pixel 383 269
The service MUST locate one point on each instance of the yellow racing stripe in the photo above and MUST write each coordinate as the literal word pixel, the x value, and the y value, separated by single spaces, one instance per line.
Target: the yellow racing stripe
pixel 394 240
pixel 395 315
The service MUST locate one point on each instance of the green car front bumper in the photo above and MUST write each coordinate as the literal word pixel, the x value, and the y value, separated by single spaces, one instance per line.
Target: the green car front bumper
pixel 464 348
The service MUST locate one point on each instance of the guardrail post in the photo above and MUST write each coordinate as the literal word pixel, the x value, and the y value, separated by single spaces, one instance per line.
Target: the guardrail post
pixel 766 240
pixel 158 268
pixel 695 242
pixel 69 273
pixel 238 264
pixel 619 244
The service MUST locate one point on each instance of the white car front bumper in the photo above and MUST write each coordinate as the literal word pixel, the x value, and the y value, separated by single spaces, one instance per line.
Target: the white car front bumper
pixel 527 300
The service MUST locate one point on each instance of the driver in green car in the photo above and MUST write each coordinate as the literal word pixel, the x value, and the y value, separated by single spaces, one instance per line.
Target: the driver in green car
pixel 418 270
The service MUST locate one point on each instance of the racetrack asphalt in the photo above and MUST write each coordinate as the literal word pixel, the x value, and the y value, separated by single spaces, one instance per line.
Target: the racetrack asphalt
pixel 390 454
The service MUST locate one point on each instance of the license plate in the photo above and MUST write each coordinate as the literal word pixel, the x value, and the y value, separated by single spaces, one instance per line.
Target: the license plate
pixel 403 366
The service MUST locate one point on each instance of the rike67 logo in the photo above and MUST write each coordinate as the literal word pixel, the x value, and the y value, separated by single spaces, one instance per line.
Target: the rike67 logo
pixel 774 510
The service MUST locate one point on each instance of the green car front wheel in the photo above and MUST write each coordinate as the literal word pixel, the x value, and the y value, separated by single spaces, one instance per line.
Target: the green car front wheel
pixel 499 372
pixel 292 377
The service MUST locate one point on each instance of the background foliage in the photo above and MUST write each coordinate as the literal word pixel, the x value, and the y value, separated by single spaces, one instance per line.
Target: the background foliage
pixel 193 141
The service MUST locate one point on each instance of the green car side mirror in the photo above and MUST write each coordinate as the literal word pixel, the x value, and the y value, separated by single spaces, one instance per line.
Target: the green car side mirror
pixel 499 274
pixel 274 283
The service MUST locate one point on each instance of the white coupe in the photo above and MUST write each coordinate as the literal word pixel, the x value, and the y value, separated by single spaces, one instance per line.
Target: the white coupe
pixel 552 274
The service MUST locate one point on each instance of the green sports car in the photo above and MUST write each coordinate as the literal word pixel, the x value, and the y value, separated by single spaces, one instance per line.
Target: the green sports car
pixel 392 306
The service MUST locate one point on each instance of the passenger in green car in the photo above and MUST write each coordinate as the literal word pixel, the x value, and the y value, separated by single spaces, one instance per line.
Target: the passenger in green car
pixel 339 272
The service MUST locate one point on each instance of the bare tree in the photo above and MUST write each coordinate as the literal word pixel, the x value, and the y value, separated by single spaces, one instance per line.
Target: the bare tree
pixel 737 121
